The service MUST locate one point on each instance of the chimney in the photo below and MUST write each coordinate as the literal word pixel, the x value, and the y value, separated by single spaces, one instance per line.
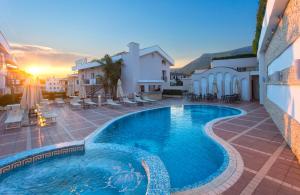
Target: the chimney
pixel 134 48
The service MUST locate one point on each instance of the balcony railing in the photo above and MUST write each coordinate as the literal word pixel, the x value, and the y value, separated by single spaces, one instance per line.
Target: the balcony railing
pixel 94 81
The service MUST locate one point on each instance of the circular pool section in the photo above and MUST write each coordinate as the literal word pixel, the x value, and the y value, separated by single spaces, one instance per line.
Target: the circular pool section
pixel 100 170
pixel 175 134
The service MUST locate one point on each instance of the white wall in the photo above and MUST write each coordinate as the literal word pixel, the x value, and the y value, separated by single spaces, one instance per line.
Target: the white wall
pixel 234 63
pixel 224 75
pixel 286 59
pixel 287 98
pixel 151 67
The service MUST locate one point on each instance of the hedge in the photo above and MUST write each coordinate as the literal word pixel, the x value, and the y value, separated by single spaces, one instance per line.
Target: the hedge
pixel 172 92
pixel 10 99
pixel 259 20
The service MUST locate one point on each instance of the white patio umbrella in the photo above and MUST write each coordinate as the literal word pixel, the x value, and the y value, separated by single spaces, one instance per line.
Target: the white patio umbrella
pixel 237 87
pixel 32 94
pixel 215 86
pixel 39 95
pixel 70 90
pixel 82 92
pixel 119 89
pixel 207 86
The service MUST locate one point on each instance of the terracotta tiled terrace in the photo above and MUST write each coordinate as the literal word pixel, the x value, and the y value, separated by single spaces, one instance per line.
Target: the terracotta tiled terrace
pixel 270 166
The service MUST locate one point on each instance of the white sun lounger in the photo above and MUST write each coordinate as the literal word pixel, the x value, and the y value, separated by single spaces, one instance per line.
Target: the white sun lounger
pixel 89 102
pixel 110 102
pixel 46 115
pixel 125 100
pixel 148 99
pixel 14 119
pixel 139 100
pixel 59 101
pixel 74 104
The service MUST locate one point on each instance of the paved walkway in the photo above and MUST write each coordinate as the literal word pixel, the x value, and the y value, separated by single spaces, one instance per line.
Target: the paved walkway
pixel 270 166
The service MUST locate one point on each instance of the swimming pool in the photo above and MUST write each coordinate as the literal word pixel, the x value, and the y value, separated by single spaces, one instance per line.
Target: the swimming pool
pixel 175 134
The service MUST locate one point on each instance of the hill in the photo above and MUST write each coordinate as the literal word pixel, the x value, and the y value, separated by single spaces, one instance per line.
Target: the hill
pixel 204 61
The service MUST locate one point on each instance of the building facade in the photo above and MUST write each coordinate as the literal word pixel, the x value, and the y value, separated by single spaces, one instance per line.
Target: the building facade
pixel 279 67
pixel 225 73
pixel 56 85
pixel 144 70
pixel 73 85
pixel 8 66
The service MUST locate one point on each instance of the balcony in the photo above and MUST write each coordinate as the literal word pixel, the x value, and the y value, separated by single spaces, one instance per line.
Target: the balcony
pixel 94 81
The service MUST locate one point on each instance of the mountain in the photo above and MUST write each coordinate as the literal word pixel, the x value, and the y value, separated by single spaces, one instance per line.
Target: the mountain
pixel 204 61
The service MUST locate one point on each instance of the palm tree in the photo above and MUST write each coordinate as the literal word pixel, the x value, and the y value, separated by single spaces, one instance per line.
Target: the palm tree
pixel 111 74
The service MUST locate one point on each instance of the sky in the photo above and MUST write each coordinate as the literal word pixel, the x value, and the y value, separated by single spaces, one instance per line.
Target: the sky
pixel 46 36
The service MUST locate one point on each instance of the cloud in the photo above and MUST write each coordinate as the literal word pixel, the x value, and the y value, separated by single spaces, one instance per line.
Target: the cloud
pixel 58 62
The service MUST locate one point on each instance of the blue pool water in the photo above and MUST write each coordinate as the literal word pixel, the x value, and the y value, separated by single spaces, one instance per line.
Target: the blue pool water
pixel 99 171
pixel 176 134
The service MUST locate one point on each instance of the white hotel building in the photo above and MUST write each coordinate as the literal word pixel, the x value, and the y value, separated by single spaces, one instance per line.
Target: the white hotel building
pixel 144 70
pixel 279 67
pixel 7 62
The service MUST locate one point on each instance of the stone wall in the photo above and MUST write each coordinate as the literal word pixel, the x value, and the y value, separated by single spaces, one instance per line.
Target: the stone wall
pixel 288 126
pixel 286 33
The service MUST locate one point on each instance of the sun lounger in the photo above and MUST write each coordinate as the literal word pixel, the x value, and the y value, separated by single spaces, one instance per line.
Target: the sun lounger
pixel 46 116
pixel 59 101
pixel 14 119
pixel 74 104
pixel 89 102
pixel 148 99
pixel 110 102
pixel 126 101
pixel 139 100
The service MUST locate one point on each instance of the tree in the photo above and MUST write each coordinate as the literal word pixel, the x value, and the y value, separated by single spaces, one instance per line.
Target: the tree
pixel 111 74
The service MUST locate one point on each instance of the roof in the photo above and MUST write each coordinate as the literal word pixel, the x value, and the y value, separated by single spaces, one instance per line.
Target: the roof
pixel 119 56
pixel 149 50
pixel 85 66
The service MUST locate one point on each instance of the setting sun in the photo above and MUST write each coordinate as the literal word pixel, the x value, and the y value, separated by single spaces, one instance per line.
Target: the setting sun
pixel 35 70
pixel 47 70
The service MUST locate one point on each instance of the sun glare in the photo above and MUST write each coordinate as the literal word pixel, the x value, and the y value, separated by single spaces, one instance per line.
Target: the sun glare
pixel 34 70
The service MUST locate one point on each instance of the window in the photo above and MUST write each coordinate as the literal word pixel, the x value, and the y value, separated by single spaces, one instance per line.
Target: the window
pixel 92 75
pixel 163 62
pixel 142 88
pixel 154 88
pixel 77 82
pixel 164 76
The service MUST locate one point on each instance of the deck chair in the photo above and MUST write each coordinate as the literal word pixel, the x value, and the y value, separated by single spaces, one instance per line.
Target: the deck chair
pixel 111 103
pixel 126 101
pixel 14 119
pixel 59 101
pixel 148 99
pixel 75 104
pixel 89 102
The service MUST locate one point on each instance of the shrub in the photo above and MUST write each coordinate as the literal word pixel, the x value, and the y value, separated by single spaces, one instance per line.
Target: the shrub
pixel 9 99
pixel 259 20
pixel 53 95
pixel 172 92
